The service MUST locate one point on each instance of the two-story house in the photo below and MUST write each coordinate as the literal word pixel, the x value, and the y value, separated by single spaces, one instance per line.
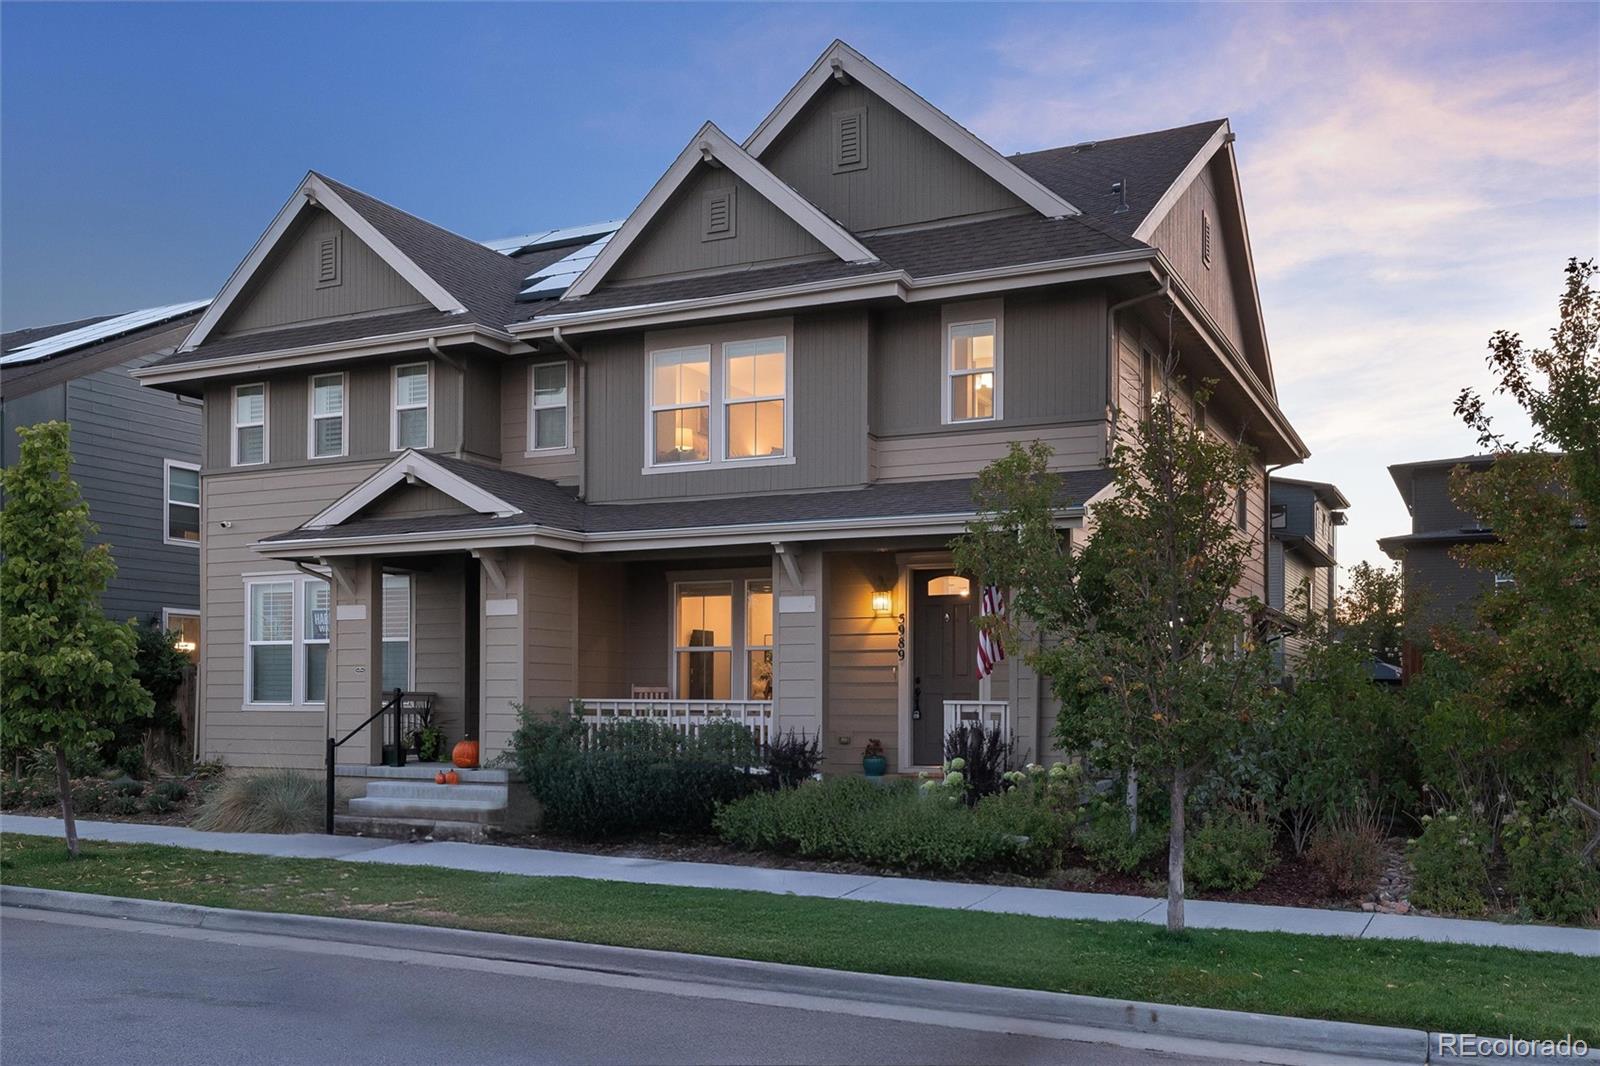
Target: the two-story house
pixel 710 462
pixel 1438 588
pixel 1302 556
pixel 135 452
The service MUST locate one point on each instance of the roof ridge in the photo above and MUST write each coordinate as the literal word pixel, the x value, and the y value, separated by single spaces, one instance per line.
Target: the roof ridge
pixel 1208 123
pixel 346 191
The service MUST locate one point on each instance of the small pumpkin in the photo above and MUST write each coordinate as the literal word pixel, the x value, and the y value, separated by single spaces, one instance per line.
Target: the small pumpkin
pixel 465 754
pixel 452 778
pixel 438 778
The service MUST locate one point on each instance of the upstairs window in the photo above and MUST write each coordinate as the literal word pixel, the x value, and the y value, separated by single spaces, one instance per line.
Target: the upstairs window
pixel 183 503
pixel 755 383
pixel 327 416
pixel 413 419
pixel 549 416
pixel 249 424
pixel 972 367
pixel 680 405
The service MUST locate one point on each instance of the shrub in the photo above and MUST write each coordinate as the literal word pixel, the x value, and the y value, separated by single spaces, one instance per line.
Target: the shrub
pixel 1449 861
pixel 631 777
pixel 130 760
pixel 791 759
pixel 172 790
pixel 127 786
pixel 984 756
pixel 1104 839
pixel 1230 852
pixel 274 801
pixel 1349 852
pixel 1546 869
pixel 122 804
pixel 156 803
pixel 89 796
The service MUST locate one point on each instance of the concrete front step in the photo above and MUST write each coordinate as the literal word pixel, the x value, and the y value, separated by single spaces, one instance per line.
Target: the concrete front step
pixel 424 771
pixel 410 828
pixel 463 810
pixel 427 790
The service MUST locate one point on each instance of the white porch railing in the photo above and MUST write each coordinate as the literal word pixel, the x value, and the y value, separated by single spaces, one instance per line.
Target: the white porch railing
pixel 986 713
pixel 685 716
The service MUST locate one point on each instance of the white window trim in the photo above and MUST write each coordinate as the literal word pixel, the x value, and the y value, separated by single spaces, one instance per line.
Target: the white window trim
pixel 305 641
pixel 236 425
pixel 411 629
pixel 744 633
pixel 167 466
pixel 568 447
pixel 735 634
pixel 948 374
pixel 394 405
pixel 344 415
pixel 717 450
pixel 293 642
pixel 726 405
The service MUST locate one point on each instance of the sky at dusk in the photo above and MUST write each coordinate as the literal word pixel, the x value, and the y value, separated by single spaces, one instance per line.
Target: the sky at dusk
pixel 1415 175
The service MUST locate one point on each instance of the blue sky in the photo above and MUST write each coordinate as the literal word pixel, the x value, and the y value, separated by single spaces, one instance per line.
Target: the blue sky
pixel 1415 175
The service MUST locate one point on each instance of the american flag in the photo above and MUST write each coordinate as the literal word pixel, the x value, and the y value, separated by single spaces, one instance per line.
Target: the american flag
pixel 990 650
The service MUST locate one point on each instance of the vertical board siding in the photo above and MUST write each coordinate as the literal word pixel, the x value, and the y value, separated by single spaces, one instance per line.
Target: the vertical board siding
pixel 255 505
pixel 121 436
pixel 565 468
pixel 415 499
pixel 1053 365
pixel 863 684
pixel 830 432
pixel 439 646
pixel 1179 236
pixel 672 243
pixel 481 435
pixel 285 291
pixel 910 175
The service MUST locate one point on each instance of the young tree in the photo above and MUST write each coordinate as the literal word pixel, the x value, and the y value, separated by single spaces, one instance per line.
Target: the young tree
pixel 1536 656
pixel 1372 611
pixel 66 671
pixel 1140 630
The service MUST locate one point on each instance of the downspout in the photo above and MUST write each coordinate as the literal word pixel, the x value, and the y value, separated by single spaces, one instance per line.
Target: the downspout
pixel 1111 337
pixel 461 391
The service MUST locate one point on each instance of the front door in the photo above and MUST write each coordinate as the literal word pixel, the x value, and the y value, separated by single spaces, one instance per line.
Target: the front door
pixel 944 636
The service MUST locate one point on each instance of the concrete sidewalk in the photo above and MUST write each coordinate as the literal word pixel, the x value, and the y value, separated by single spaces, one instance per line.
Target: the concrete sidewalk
pixel 1039 902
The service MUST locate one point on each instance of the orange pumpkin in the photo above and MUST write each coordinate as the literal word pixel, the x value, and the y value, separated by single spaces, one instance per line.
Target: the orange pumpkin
pixel 465 754
pixel 452 778
pixel 438 778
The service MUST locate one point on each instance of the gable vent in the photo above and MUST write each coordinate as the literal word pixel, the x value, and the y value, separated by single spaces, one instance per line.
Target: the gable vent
pixel 717 213
pixel 1205 238
pixel 328 272
pixel 850 140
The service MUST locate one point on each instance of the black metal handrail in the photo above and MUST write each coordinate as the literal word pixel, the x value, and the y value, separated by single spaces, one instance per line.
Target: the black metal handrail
pixel 333 746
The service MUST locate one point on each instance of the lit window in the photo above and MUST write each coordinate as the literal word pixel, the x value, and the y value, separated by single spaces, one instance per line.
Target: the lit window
pixel 548 416
pixel 680 405
pixel 703 641
pixel 327 415
pixel 412 422
pixel 396 632
pixel 270 663
pixel 184 628
pixel 950 585
pixel 754 383
pixel 318 627
pixel 249 425
pixel 758 638
pixel 183 503
pixel 971 363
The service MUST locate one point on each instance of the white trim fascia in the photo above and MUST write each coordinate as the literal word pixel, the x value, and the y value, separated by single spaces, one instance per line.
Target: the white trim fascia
pixel 331 352
pixel 1174 192
pixel 167 501
pixel 313 191
pixel 841 58
pixel 711 143
pixel 537 536
pixel 1250 266
pixel 412 465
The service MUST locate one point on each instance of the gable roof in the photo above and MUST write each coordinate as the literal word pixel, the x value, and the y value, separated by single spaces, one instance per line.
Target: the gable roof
pixel 46 341
pixel 707 145
pixel 840 60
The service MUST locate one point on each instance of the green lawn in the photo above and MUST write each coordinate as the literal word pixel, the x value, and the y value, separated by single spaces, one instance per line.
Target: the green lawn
pixel 1450 988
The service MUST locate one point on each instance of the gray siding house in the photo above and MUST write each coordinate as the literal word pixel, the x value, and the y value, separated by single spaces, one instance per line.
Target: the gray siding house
pixel 135 451
pixel 1438 589
pixel 707 461
pixel 1303 556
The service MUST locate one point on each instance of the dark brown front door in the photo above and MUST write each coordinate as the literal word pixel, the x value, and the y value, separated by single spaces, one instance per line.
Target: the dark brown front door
pixel 944 646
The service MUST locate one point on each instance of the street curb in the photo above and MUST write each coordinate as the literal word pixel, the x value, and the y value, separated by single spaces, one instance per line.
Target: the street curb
pixel 1307 1039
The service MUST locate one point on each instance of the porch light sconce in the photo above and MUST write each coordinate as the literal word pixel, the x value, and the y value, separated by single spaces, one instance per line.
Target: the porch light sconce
pixel 882 602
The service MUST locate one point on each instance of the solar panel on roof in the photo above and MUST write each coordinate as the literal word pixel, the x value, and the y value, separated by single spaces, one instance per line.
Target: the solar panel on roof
pixel 98 331
pixel 553 280
pixel 551 238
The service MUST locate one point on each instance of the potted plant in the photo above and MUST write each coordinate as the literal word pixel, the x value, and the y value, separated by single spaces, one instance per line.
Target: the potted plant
pixel 874 763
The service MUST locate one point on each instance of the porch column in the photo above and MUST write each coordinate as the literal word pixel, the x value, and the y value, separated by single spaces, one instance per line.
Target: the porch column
pixel 357 667
pixel 798 654
pixel 502 649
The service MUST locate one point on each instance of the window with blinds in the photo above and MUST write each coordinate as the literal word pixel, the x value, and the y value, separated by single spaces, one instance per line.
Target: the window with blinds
pixel 396 632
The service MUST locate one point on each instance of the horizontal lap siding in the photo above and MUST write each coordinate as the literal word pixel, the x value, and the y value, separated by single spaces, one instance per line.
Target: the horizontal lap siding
pixel 863 687
pixel 255 505
pixel 439 652
pixel 550 652
pixel 606 630
pixel 966 452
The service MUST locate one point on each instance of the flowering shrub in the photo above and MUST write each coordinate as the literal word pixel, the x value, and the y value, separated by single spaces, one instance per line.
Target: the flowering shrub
pixel 1450 861
pixel 1547 871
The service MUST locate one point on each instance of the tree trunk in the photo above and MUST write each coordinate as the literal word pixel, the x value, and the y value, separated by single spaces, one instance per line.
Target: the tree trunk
pixel 64 783
pixel 1180 785
pixel 1132 801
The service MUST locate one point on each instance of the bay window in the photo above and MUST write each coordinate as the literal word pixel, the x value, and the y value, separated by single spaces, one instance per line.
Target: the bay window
pixel 412 425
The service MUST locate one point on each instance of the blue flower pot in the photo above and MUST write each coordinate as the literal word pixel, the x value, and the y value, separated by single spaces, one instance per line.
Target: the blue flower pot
pixel 874 765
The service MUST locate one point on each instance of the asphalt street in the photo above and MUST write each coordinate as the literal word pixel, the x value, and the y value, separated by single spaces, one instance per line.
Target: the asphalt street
pixel 77 990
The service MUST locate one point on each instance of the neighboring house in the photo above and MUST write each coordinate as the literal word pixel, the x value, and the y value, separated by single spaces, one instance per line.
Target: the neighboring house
pixel 1303 556
pixel 1438 589
pixel 710 462
pixel 135 452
